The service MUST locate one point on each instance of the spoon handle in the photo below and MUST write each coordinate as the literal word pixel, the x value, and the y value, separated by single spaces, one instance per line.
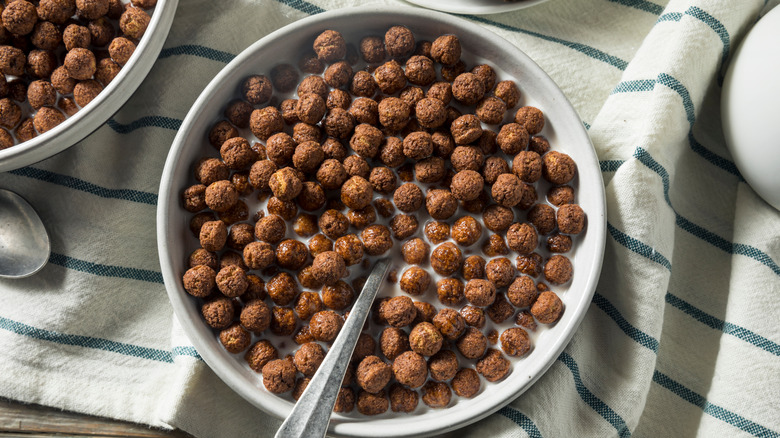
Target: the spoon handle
pixel 311 414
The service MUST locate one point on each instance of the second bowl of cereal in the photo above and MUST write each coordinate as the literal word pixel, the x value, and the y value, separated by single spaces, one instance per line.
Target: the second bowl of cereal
pixel 373 133
pixel 69 65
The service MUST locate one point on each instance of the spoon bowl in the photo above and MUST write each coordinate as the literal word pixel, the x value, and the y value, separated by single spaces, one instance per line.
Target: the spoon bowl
pixel 24 242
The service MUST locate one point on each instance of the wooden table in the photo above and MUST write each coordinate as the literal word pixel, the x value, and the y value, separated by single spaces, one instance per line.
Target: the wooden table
pixel 34 421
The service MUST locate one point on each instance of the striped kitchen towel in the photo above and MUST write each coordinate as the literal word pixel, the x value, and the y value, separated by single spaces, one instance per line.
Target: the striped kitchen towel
pixel 682 337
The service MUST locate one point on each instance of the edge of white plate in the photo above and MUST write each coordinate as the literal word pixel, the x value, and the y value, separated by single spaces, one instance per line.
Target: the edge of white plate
pixel 229 371
pixel 461 7
pixel 109 101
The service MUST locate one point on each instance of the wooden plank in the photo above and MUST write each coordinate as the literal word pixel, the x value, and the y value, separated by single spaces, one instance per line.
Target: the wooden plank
pixel 36 420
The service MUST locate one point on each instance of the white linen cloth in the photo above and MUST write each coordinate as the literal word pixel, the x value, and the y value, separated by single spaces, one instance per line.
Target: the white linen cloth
pixel 682 337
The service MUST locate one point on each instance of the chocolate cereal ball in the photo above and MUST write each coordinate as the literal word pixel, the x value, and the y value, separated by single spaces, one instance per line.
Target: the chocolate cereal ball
pixel 373 374
pixel 362 84
pixel 199 281
pixel 418 145
pixel 283 321
pixel 308 358
pixel 559 243
pixel 437 232
pixel 491 110
pixel 512 138
pixel 86 91
pixel 531 118
pixel 19 17
pixel 329 267
pixel 61 81
pixel 466 383
pixel 527 165
pixel 449 323
pixel 466 129
pixel 390 77
pixel 221 195
pixel 235 339
pixel 467 158
pixel 466 231
pixel 80 63
pixel 446 49
pixel 493 366
pixel 291 254
pixel 399 41
pixel 497 218
pixel 530 264
pixel 271 229
pixel 560 195
pixel 480 292
pixel 450 291
pixel 393 113
pixel 495 246
pixel 260 174
pixel 47 118
pixel 40 64
pixel 231 281
pixel 345 401
pixel 558 269
pixel 282 288
pixel 522 238
pixel 134 22
pixel 403 399
pixel 468 89
pixel 363 217
pixel 441 204
pixel 56 11
pixel 430 170
pixel 542 216
pixel 280 149
pixel 325 325
pixel 213 235
pixel 330 46
pixel 393 341
pixel 548 308
pixel 443 365
pixel 46 36
pixel 338 99
pixel 522 292
pixel 486 74
pixel 403 226
pixel 366 346
pixel 451 72
pixel 466 185
pixel 474 316
pixel 376 239
pixel 256 316
pixel 260 354
pixel 218 313
pixel 441 91
pixel 472 344
pixel 372 403
pixel 350 248
pixel 265 122
pixel 515 342
pixel 420 70
pixel 307 304
pixel 284 77
pixel 425 339
pixel 408 197
pixel 558 168
pixel 279 376
pixel 436 394
pixel 337 296
pixel 415 281
pixel 571 219
pixel 398 311
pixel 372 49
pixel 500 271
pixel 446 259
pixel 338 74
pixel 259 255
pixel 366 140
pixel 101 31
pixel 356 192
pixel 410 369
pixel 508 92
pixel 202 257
pixel 357 166
pixel 237 153
pixel 257 89
pixel 415 251
pixel 507 190
pixel 75 36
pixel 285 184
pixel 221 131
pixel 333 224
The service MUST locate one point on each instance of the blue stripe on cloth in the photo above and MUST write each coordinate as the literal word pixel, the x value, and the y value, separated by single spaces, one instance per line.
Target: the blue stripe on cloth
pixel 144 122
pixel 708 236
pixel 667 80
pixel 84 186
pixel 610 165
pixel 724 326
pixel 105 270
pixel 671 16
pixel 85 341
pixel 634 333
pixel 591 400
pixel 715 411
pixel 185 351
pixel 638 247
pixel 197 50
pixel 521 420
pixel 642 5
pixel 707 19
pixel 586 125
pixel 592 52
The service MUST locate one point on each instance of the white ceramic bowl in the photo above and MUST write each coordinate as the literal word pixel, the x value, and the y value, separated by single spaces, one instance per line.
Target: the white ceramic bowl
pixel 564 130
pixel 476 7
pixel 78 126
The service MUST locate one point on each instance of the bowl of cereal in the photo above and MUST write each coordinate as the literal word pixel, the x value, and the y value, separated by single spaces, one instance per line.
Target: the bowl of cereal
pixel 373 133
pixel 68 65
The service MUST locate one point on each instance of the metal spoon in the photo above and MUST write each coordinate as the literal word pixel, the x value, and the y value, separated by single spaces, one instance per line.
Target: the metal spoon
pixel 24 243
pixel 311 414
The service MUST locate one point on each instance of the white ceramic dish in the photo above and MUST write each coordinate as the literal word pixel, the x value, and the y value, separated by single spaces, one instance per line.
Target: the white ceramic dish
pixel 564 129
pixel 77 127
pixel 475 7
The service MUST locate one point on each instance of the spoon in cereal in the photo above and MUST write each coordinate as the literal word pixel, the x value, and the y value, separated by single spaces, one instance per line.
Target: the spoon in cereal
pixel 311 414
pixel 24 243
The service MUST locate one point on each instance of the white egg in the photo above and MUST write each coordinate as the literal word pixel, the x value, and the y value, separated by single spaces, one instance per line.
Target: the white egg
pixel 750 107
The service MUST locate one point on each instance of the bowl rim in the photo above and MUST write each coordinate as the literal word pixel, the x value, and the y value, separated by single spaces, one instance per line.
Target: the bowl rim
pixel 457 8
pixel 109 101
pixel 169 199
